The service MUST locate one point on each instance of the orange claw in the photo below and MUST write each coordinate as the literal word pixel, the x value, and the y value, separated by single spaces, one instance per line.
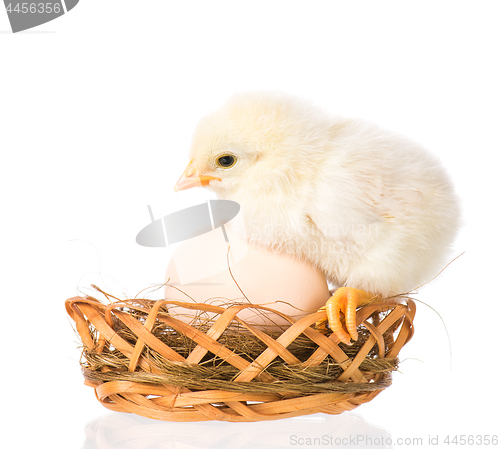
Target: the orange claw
pixel 345 300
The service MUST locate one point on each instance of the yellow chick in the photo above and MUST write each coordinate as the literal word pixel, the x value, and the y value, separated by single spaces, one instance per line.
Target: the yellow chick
pixel 370 208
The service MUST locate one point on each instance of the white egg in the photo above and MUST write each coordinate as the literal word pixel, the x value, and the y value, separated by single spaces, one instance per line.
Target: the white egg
pixel 279 281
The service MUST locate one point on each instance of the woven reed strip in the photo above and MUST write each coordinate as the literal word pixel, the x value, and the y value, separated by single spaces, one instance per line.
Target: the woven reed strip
pixel 178 403
pixel 320 403
pixel 283 387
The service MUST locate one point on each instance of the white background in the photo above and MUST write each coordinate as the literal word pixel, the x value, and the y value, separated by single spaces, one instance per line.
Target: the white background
pixel 97 109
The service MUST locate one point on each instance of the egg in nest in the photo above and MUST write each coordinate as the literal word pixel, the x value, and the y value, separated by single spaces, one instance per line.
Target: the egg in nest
pixel 249 274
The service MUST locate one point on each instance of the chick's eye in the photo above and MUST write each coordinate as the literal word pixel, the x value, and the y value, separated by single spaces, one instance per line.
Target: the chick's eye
pixel 226 161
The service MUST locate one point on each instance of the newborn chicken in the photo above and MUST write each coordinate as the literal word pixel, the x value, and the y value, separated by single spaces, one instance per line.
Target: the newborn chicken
pixel 371 209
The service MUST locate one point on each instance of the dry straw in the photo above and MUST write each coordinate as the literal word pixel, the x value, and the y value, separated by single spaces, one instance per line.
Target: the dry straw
pixel 142 356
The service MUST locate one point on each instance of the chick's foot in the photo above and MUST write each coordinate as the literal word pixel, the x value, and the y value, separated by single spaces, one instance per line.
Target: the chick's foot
pixel 345 300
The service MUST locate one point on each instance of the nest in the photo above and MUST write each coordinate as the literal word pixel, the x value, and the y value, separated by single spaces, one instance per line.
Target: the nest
pixel 144 357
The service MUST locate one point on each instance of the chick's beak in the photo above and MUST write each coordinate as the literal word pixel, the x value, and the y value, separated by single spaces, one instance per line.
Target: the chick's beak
pixel 191 178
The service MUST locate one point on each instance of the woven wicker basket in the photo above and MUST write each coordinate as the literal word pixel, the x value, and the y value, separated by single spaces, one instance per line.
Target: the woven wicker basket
pixel 140 358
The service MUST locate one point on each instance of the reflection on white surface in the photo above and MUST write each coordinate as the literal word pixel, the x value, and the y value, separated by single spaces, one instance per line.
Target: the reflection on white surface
pixel 127 431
